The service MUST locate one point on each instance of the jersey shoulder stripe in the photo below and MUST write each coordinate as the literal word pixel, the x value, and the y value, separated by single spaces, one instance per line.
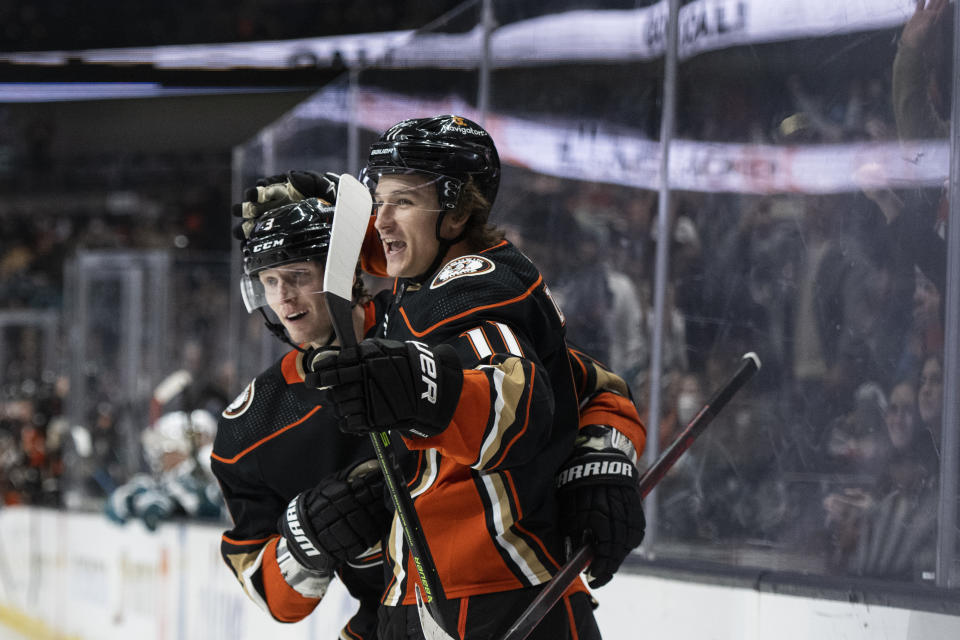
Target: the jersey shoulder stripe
pixel 507 279
pixel 269 409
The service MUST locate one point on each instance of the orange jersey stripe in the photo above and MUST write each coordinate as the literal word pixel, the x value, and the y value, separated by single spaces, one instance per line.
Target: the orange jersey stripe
pixel 618 412
pixel 242 543
pixel 462 445
pixel 285 603
pixel 462 314
pixel 263 440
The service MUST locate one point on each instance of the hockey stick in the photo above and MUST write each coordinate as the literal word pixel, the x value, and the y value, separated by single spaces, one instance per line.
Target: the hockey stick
pixel 350 219
pixel 580 560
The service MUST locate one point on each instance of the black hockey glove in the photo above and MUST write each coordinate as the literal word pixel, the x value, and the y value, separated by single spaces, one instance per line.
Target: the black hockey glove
pixel 384 384
pixel 275 191
pixel 601 505
pixel 337 520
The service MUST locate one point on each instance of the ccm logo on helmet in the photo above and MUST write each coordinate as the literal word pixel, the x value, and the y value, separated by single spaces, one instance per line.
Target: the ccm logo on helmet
pixel 294 523
pixel 589 469
pixel 266 245
pixel 428 369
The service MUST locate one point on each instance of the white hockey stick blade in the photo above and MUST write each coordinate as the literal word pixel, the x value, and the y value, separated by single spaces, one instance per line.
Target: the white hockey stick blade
pixel 350 219
pixel 431 629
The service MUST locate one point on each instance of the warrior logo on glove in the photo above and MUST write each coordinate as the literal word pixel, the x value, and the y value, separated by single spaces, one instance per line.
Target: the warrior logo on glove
pixel 596 468
pixel 293 522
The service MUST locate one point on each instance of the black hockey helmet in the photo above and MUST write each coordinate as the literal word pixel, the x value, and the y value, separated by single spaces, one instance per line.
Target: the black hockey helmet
pixel 291 233
pixel 452 148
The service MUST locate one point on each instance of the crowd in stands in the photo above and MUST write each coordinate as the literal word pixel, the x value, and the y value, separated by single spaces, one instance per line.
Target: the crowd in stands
pixel 831 453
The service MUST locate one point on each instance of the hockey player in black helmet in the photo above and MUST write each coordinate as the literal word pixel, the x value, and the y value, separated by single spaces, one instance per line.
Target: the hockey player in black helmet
pixel 283 260
pixel 306 501
pixel 493 419
pixel 251 480
pixel 452 156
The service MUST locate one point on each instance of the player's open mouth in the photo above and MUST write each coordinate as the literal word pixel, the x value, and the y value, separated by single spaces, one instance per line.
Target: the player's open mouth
pixel 296 316
pixel 394 246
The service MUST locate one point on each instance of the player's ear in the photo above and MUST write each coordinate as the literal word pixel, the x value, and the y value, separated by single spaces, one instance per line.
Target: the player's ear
pixel 453 223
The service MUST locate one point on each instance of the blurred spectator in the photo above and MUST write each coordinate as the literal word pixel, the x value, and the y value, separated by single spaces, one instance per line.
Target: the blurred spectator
pixel 922 79
pixel 601 304
pixel 189 387
pixel 31 435
pixel 858 441
pixel 682 507
pixel 180 483
pixel 930 396
pixel 888 530
pixel 834 323
pixel 751 276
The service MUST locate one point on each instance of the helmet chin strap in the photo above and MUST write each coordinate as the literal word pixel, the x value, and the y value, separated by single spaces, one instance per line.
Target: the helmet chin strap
pixel 442 248
pixel 280 332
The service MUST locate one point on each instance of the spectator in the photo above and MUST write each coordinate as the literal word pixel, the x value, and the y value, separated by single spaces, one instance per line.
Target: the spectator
pixel 887 530
pixel 180 483
pixel 930 396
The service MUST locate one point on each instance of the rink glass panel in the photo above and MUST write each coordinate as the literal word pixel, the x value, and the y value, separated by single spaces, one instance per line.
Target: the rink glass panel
pixel 811 200
pixel 134 318
pixel 805 223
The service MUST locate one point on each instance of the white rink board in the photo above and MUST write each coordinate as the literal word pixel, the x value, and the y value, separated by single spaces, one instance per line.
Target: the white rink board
pixel 635 606
pixel 79 576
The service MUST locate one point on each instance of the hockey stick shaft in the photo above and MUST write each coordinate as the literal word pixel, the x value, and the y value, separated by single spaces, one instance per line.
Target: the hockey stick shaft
pixel 351 215
pixel 580 560
pixel 393 477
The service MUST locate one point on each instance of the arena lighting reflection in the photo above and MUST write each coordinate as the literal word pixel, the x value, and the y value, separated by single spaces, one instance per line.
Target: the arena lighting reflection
pixel 63 91
pixel 586 35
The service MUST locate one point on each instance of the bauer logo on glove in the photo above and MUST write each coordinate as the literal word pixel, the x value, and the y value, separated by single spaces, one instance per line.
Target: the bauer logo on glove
pixel 381 385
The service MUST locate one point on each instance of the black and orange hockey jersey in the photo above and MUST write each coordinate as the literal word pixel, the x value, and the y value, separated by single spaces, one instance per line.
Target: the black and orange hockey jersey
pixel 273 443
pixel 484 487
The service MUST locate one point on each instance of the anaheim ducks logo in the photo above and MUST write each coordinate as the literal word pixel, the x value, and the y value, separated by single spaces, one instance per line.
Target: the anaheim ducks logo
pixel 241 403
pixel 461 267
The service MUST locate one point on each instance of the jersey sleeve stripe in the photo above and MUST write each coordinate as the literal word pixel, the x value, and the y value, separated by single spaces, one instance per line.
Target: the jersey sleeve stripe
pixel 502 519
pixel 527 394
pixel 509 390
pixel 394 592
pixel 429 474
pixel 468 312
pixel 244 543
pixel 533 540
pixel 286 605
pixel 263 440
pixel 475 413
pixel 579 372
pixel 247 568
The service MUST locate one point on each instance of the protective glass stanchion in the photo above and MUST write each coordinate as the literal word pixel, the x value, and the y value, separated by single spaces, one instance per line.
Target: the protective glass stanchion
pixel 806 222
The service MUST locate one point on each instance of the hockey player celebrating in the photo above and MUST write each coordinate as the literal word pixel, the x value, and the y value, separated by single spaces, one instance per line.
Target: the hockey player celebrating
pixel 304 503
pixel 471 368
pixel 298 459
